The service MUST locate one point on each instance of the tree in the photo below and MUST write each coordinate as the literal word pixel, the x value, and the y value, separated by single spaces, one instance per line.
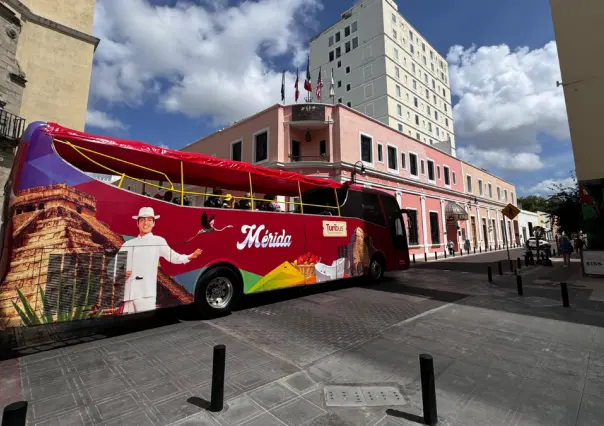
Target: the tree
pixel 566 205
pixel 533 203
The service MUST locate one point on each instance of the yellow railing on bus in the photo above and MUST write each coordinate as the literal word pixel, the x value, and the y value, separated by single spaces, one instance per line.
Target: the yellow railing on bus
pixel 182 191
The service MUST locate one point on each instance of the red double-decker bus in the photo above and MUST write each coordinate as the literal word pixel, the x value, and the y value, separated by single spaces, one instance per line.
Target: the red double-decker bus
pixel 76 247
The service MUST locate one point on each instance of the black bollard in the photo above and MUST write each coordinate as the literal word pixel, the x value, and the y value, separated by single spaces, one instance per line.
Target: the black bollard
pixel 490 274
pixel 564 290
pixel 413 257
pixel 435 255
pixel 425 257
pixel 445 252
pixel 217 398
pixel 500 268
pixel 519 285
pixel 519 264
pixel 480 249
pixel 453 253
pixel 461 252
pixel 511 265
pixel 426 367
pixel 15 414
pixel 474 250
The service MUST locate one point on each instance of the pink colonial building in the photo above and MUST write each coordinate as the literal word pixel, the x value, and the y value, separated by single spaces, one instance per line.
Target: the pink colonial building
pixel 447 199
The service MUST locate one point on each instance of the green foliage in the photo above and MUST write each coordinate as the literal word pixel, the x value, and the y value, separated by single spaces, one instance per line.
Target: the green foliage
pixel 29 317
pixel 566 205
pixel 533 203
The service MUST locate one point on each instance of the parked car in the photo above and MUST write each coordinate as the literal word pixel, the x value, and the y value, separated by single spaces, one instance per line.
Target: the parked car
pixel 543 244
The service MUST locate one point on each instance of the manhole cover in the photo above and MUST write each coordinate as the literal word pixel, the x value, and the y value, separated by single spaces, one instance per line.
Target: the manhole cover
pixel 361 396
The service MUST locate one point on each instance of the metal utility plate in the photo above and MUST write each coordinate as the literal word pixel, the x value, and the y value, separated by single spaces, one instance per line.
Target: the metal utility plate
pixel 362 396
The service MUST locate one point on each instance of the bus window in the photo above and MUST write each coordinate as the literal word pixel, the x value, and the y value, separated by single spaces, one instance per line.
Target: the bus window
pixel 363 205
pixel 320 197
pixel 395 221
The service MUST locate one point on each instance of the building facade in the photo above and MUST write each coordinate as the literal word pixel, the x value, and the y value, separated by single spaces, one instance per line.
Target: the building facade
pixel 385 69
pixel 52 60
pixel 333 141
pixel 579 32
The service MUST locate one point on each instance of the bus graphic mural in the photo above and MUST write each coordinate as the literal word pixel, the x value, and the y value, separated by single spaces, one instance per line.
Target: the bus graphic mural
pixel 77 248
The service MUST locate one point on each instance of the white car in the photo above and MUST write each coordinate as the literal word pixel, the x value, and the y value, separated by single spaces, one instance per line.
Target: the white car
pixel 543 244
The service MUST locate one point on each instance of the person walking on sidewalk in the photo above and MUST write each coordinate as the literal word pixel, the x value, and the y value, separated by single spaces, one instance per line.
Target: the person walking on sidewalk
pixel 566 249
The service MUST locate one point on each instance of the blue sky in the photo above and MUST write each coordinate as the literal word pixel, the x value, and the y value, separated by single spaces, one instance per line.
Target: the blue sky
pixel 169 76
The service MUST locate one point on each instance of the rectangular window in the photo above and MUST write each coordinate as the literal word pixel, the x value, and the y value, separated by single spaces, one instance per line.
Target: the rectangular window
pixel 417 119
pixel 446 122
pixel 338 37
pixel 367 71
pixel 490 191
pixel 437 168
pixel 454 179
pixel 434 228
pixel 512 198
pixel 348 87
pixel 469 184
pixel 396 53
pixel 347 31
pixel 413 164
pixel 347 46
pixel 236 149
pixel 412 227
pixel 380 153
pixel 261 147
pixel 400 127
pixel 355 42
pixel 403 161
pixel 414 85
pixel 415 102
pixel 431 170
pixel 394 35
pixel 498 194
pixel 322 148
pixel 505 195
pixel 348 69
pixel 331 56
pixel 392 158
pixel 447 178
pixel 330 41
pixel 423 167
pixel 397 73
pixel 366 149
pixel 393 18
pixel 338 52
pixel 399 110
pixel 412 49
pixel 411 35
pixel 353 27
pixel 398 91
pixel 479 187
pixel 413 68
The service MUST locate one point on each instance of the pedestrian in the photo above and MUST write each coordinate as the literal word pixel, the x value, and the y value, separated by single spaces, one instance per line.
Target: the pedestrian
pixel 579 243
pixel 451 247
pixel 566 249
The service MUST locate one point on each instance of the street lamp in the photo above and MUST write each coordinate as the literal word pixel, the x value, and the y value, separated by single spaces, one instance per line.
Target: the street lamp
pixel 354 170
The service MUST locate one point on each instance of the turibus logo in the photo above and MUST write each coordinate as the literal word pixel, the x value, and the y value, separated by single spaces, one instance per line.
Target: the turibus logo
pixel 334 229
pixel 254 236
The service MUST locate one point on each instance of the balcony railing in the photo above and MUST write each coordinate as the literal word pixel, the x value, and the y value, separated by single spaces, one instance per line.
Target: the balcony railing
pixel 297 158
pixel 11 125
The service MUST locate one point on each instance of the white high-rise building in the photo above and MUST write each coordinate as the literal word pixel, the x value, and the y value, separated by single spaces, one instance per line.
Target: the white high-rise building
pixel 385 69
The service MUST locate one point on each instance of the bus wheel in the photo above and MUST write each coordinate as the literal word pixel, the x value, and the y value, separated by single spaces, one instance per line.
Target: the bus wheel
pixel 217 292
pixel 376 269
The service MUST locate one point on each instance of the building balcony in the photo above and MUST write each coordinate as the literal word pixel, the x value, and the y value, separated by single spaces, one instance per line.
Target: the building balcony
pixel 299 158
pixel 11 126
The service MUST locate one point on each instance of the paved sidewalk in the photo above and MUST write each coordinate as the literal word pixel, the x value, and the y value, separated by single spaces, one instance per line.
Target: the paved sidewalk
pixel 499 359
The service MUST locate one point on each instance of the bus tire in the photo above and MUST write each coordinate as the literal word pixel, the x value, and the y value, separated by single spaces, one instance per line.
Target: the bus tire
pixel 377 267
pixel 217 292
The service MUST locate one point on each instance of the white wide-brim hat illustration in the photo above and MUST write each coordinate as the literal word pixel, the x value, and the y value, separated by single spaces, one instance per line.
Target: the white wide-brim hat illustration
pixel 146 212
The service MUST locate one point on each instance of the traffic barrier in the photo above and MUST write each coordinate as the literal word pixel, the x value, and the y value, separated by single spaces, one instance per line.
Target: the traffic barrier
pixel 218 364
pixel 564 290
pixel 490 274
pixel 426 368
pixel 15 414
pixel 500 267
pixel 519 285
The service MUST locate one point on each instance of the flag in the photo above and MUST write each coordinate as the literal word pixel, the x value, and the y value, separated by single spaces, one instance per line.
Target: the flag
pixel 297 91
pixel 332 90
pixel 319 85
pixel 283 87
pixel 307 82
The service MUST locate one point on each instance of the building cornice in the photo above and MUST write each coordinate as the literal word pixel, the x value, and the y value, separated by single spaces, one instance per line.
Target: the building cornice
pixel 28 15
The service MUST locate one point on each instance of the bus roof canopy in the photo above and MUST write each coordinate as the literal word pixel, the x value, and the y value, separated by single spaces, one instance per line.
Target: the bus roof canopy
pixel 143 161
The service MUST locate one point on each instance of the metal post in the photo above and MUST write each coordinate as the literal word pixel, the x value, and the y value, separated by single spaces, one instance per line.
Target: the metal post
pixel 15 414
pixel 564 289
pixel 519 285
pixel 461 252
pixel 500 267
pixel 474 250
pixel 511 265
pixel 435 255
pixel 217 398
pixel 490 274
pixel 425 257
pixel 426 367
pixel 445 251
pixel 519 264
pixel 413 257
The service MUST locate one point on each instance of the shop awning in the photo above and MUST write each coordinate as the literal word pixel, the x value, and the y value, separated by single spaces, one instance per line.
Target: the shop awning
pixel 455 212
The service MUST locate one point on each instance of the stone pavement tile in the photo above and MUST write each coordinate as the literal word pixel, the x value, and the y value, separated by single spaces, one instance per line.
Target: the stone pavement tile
pixel 297 412
pixel 44 376
pixel 135 418
pixel 299 382
pixel 47 390
pixel 205 391
pixel 250 379
pixel 160 391
pixel 177 408
pixel 77 417
pixel 265 419
pixel 316 397
pixel 329 419
pixel 193 378
pixel 107 389
pixel 359 416
pixel 271 395
pixel 96 376
pixel 115 407
pixel 54 405
pixel 146 375
pixel 594 382
pixel 591 412
pixel 238 410
pixel 550 406
pixel 200 419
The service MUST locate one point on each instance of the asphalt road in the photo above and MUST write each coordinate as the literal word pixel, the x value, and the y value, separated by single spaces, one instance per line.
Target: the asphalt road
pixel 476 263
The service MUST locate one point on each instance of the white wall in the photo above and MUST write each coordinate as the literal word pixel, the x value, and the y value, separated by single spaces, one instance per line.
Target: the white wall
pixel 524 217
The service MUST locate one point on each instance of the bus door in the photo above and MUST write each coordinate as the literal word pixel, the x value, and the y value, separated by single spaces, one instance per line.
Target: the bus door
pixel 395 222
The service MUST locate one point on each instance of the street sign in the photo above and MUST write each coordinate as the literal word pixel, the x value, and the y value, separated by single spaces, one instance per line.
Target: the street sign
pixel 510 211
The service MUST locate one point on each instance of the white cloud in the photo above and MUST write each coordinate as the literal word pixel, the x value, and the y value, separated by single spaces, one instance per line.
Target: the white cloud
pixel 199 60
pixel 549 186
pixel 506 99
pixel 102 120
pixel 500 158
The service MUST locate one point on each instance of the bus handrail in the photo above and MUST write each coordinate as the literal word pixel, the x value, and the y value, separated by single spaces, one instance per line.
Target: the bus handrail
pixel 184 192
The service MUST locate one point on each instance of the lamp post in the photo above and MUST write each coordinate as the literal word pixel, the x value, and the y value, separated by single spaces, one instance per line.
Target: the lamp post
pixel 354 170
